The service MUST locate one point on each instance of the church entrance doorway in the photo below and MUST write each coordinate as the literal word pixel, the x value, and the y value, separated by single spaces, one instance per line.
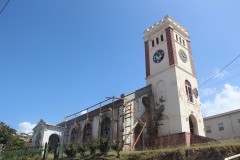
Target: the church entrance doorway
pixel 138 136
pixel 53 142
pixel 193 128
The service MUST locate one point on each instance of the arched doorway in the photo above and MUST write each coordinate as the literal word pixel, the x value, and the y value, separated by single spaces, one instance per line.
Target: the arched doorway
pixel 193 127
pixel 106 127
pixel 138 136
pixel 53 142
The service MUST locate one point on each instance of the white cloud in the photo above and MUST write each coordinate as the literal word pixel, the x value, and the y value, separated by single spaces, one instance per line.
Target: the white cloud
pixel 215 75
pixel 83 112
pixel 220 74
pixel 208 91
pixel 226 100
pixel 25 127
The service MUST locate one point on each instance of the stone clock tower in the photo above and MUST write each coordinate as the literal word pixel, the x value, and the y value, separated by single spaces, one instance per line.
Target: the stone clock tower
pixel 170 71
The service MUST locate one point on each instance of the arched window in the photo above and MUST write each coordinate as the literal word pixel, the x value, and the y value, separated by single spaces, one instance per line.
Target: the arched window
pixel 87 135
pixel 105 128
pixel 73 136
pixel 188 91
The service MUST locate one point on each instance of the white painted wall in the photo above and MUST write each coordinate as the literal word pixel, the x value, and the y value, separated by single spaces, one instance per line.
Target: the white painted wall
pixel 177 107
pixel 172 124
pixel 189 108
pixel 230 122
pixel 138 110
pixel 46 131
pixel 49 130
pixel 127 137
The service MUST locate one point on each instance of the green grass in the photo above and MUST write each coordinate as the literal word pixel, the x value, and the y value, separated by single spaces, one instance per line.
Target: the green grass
pixel 208 150
pixel 110 155
pixel 22 153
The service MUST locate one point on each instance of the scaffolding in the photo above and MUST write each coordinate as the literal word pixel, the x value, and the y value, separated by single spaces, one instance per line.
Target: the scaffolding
pixel 129 120
pixel 72 120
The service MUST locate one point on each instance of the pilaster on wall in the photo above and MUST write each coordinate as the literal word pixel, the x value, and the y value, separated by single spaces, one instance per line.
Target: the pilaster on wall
pixel 79 135
pixel 171 47
pixel 190 57
pixel 147 61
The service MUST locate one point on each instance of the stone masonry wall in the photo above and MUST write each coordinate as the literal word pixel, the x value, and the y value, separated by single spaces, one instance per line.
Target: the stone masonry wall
pixel 184 138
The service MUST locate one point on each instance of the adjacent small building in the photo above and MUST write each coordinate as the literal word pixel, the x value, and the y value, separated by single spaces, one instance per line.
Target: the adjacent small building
pixel 224 126
pixel 47 133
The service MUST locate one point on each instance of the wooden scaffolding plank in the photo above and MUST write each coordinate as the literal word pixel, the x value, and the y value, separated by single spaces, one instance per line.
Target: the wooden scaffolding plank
pixel 139 136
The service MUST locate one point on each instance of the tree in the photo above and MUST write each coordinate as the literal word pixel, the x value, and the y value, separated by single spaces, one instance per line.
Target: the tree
pixel 9 137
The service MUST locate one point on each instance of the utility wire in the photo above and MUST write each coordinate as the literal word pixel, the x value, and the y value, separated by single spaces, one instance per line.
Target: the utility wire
pixel 219 71
pixel 4 6
pixel 235 76
pixel 234 67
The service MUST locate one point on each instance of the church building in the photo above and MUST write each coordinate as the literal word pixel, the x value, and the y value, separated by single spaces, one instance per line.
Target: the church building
pixel 167 111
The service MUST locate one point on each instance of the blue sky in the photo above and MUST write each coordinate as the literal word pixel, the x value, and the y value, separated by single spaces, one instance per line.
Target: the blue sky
pixel 58 57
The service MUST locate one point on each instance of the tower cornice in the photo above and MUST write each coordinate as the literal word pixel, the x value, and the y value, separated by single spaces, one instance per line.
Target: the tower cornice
pixel 166 22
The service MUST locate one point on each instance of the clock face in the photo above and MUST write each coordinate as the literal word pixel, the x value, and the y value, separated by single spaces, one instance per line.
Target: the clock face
pixel 158 56
pixel 182 55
